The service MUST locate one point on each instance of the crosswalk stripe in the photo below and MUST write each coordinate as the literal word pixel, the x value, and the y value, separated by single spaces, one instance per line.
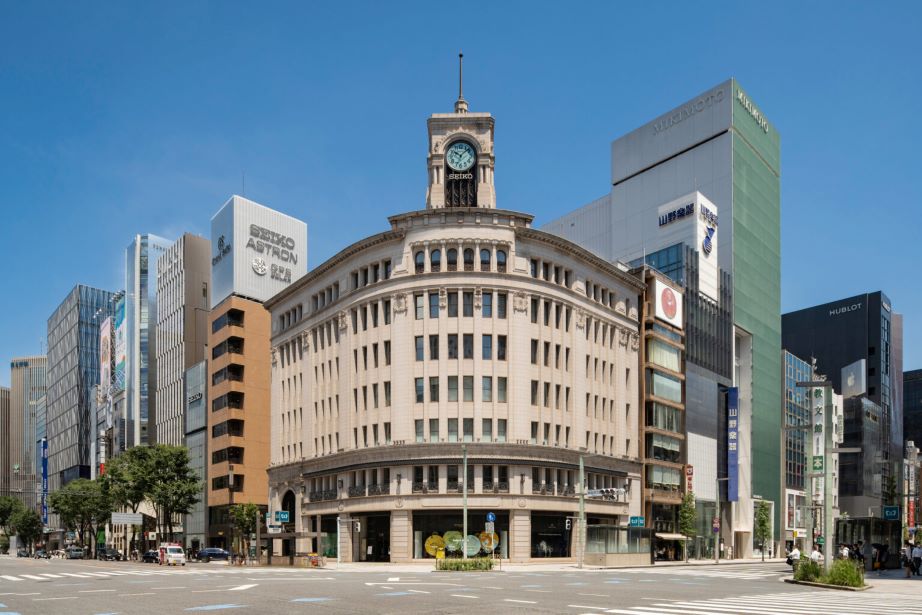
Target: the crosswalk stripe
pixel 74 574
pixel 734 607
pixel 51 576
pixel 797 603
pixel 10 578
pixel 33 577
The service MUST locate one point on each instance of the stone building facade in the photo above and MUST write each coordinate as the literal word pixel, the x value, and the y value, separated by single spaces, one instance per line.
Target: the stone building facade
pixel 460 336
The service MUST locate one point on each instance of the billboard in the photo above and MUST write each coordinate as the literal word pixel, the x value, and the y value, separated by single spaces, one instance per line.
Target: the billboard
pixel 667 303
pixel 733 422
pixel 854 379
pixel 121 344
pixel 105 355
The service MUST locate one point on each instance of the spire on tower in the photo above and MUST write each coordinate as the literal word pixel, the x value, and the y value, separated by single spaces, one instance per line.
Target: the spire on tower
pixel 461 104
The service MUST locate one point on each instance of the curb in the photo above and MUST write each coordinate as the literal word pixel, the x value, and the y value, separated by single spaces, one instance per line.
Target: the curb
pixel 826 586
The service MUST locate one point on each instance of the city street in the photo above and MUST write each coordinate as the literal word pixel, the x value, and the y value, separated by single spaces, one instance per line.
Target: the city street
pixel 87 587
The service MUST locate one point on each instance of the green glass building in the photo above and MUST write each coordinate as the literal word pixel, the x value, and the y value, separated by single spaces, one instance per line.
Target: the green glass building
pixel 721 145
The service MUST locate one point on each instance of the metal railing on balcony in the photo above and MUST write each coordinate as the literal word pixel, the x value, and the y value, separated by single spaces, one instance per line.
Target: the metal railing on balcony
pixel 357 491
pixel 315 496
pixel 379 489
pixel 329 494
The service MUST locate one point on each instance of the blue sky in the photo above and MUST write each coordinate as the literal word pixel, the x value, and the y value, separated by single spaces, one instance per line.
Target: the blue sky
pixel 119 118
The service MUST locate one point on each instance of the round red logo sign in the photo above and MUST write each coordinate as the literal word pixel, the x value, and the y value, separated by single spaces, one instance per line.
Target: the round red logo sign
pixel 669 303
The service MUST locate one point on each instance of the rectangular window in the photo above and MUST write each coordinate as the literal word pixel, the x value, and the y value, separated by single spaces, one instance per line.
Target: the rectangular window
pixel 387 311
pixel 665 386
pixel 487 429
pixel 501 305
pixel 534 432
pixel 387 352
pixel 420 392
pixel 547 394
pixel 433 388
pixel 501 389
pixel 387 394
pixel 535 306
pixel 468 304
pixel 433 305
pixel 500 430
pixel 468 345
pixel 663 354
pixel 452 345
pixel 487 346
pixel 433 430
pixel 452 430
pixel 433 347
pixel 468 388
pixel 420 436
pixel 468 425
pixel 420 353
pixel 487 309
pixel 534 392
pixel 420 306
pixel 452 388
pixel 534 352
pixel 500 347
pixel 453 305
pixel 487 388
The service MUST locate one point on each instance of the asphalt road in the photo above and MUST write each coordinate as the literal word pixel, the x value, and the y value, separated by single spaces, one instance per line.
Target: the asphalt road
pixel 87 587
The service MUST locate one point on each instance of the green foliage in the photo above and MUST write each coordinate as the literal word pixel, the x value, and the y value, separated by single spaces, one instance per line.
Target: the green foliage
pixel 174 486
pixel 83 505
pixel 4 543
pixel 807 570
pixel 27 525
pixel 464 565
pixel 244 517
pixel 845 573
pixel 688 516
pixel 127 477
pixel 763 528
pixel 8 506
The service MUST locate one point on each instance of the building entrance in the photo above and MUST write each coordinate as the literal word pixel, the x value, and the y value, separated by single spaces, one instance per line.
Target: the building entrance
pixel 373 542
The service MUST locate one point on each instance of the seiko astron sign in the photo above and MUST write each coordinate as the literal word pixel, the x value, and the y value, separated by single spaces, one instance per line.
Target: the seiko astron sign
pixel 256 251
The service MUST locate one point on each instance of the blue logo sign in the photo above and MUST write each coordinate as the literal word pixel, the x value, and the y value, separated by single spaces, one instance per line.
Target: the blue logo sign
pixel 708 216
pixel 491 518
pixel 677 214
pixel 44 481
pixel 891 513
pixel 281 516
pixel 733 419
pixel 707 245
pixel 636 522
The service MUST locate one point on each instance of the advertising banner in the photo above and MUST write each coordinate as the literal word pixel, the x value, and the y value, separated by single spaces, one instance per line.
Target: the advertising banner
pixel 45 481
pixel 733 415
pixel 121 344
pixel 854 380
pixel 105 355
pixel 667 304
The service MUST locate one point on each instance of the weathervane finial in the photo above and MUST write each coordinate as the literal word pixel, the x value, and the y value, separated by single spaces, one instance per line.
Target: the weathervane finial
pixel 461 104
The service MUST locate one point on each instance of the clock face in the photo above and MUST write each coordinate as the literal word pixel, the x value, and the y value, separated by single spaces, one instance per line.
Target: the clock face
pixel 460 156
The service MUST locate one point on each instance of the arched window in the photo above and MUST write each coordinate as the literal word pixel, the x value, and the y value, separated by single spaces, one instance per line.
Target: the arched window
pixel 484 260
pixel 420 259
pixel 501 261
pixel 452 259
pixel 468 260
pixel 435 260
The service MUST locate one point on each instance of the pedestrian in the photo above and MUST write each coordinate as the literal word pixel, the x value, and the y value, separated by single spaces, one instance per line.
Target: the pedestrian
pixel 816 556
pixel 843 551
pixel 906 558
pixel 917 559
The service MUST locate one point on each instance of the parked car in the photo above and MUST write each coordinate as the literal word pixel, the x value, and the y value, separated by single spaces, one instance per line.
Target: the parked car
pixel 210 553
pixel 151 557
pixel 108 555
pixel 41 554
pixel 74 553
pixel 22 553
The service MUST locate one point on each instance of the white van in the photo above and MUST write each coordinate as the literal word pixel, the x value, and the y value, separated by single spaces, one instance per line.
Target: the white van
pixel 172 555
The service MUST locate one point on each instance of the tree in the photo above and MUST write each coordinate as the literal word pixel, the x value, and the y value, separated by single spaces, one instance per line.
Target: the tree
pixel 84 506
pixel 8 507
pixel 27 524
pixel 244 518
pixel 688 519
pixel 127 481
pixel 763 529
pixel 174 486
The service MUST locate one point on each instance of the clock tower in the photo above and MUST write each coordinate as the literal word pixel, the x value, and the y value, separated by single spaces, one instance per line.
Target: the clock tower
pixel 460 156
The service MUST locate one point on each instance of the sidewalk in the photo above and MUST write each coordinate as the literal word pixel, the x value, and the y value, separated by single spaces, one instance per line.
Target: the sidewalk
pixel 563 566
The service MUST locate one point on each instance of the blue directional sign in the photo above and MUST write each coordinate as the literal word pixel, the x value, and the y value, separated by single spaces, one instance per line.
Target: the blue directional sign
pixel 281 516
pixel 491 518
pixel 891 513
pixel 636 522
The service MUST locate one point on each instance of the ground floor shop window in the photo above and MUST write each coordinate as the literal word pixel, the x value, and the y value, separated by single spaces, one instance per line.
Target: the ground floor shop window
pixel 328 535
pixel 549 535
pixel 444 530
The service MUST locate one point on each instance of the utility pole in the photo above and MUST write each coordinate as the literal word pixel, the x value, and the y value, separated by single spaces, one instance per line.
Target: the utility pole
pixel 464 501
pixel 582 513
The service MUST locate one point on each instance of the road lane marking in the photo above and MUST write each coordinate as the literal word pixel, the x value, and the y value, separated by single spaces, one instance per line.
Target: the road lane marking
pixel 34 578
pixel 10 578
pixel 583 606
pixel 595 595
pixel 417 591
pixel 74 574
pixel 463 596
pixel 93 591
pixel 311 599
pixel 243 587
pixel 172 587
pixel 520 601
pixel 217 607
pixel 393 579
pixel 61 598
pixel 142 594
pixel 49 575
pixel 391 594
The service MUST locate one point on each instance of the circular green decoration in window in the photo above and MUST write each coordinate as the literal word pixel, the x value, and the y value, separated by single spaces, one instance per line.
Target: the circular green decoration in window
pixel 471 545
pixel 453 540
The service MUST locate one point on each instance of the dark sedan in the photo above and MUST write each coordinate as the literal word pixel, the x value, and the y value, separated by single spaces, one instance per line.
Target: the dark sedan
pixel 108 555
pixel 150 557
pixel 212 553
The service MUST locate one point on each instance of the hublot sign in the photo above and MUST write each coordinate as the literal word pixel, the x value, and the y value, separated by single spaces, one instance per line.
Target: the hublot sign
pixel 845 309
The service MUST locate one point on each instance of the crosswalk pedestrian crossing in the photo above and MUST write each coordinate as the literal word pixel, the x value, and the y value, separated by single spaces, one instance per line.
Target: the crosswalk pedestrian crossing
pixel 759 571
pixel 135 572
pixel 808 602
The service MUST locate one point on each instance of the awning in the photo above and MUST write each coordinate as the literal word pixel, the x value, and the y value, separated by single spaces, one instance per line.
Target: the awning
pixel 672 536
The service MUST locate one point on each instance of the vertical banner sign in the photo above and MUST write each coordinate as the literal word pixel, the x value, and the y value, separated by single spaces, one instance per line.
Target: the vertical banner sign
pixel 733 420
pixel 689 479
pixel 121 344
pixel 45 481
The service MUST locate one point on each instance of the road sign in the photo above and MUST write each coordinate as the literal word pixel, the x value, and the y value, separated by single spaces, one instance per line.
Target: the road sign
pixel 715 524
pixel 820 541
pixel 891 513
pixel 127 518
pixel 636 522
pixel 795 534
pixel 274 529
pixel 281 516
pixel 817 463
pixel 491 518
pixel 489 527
